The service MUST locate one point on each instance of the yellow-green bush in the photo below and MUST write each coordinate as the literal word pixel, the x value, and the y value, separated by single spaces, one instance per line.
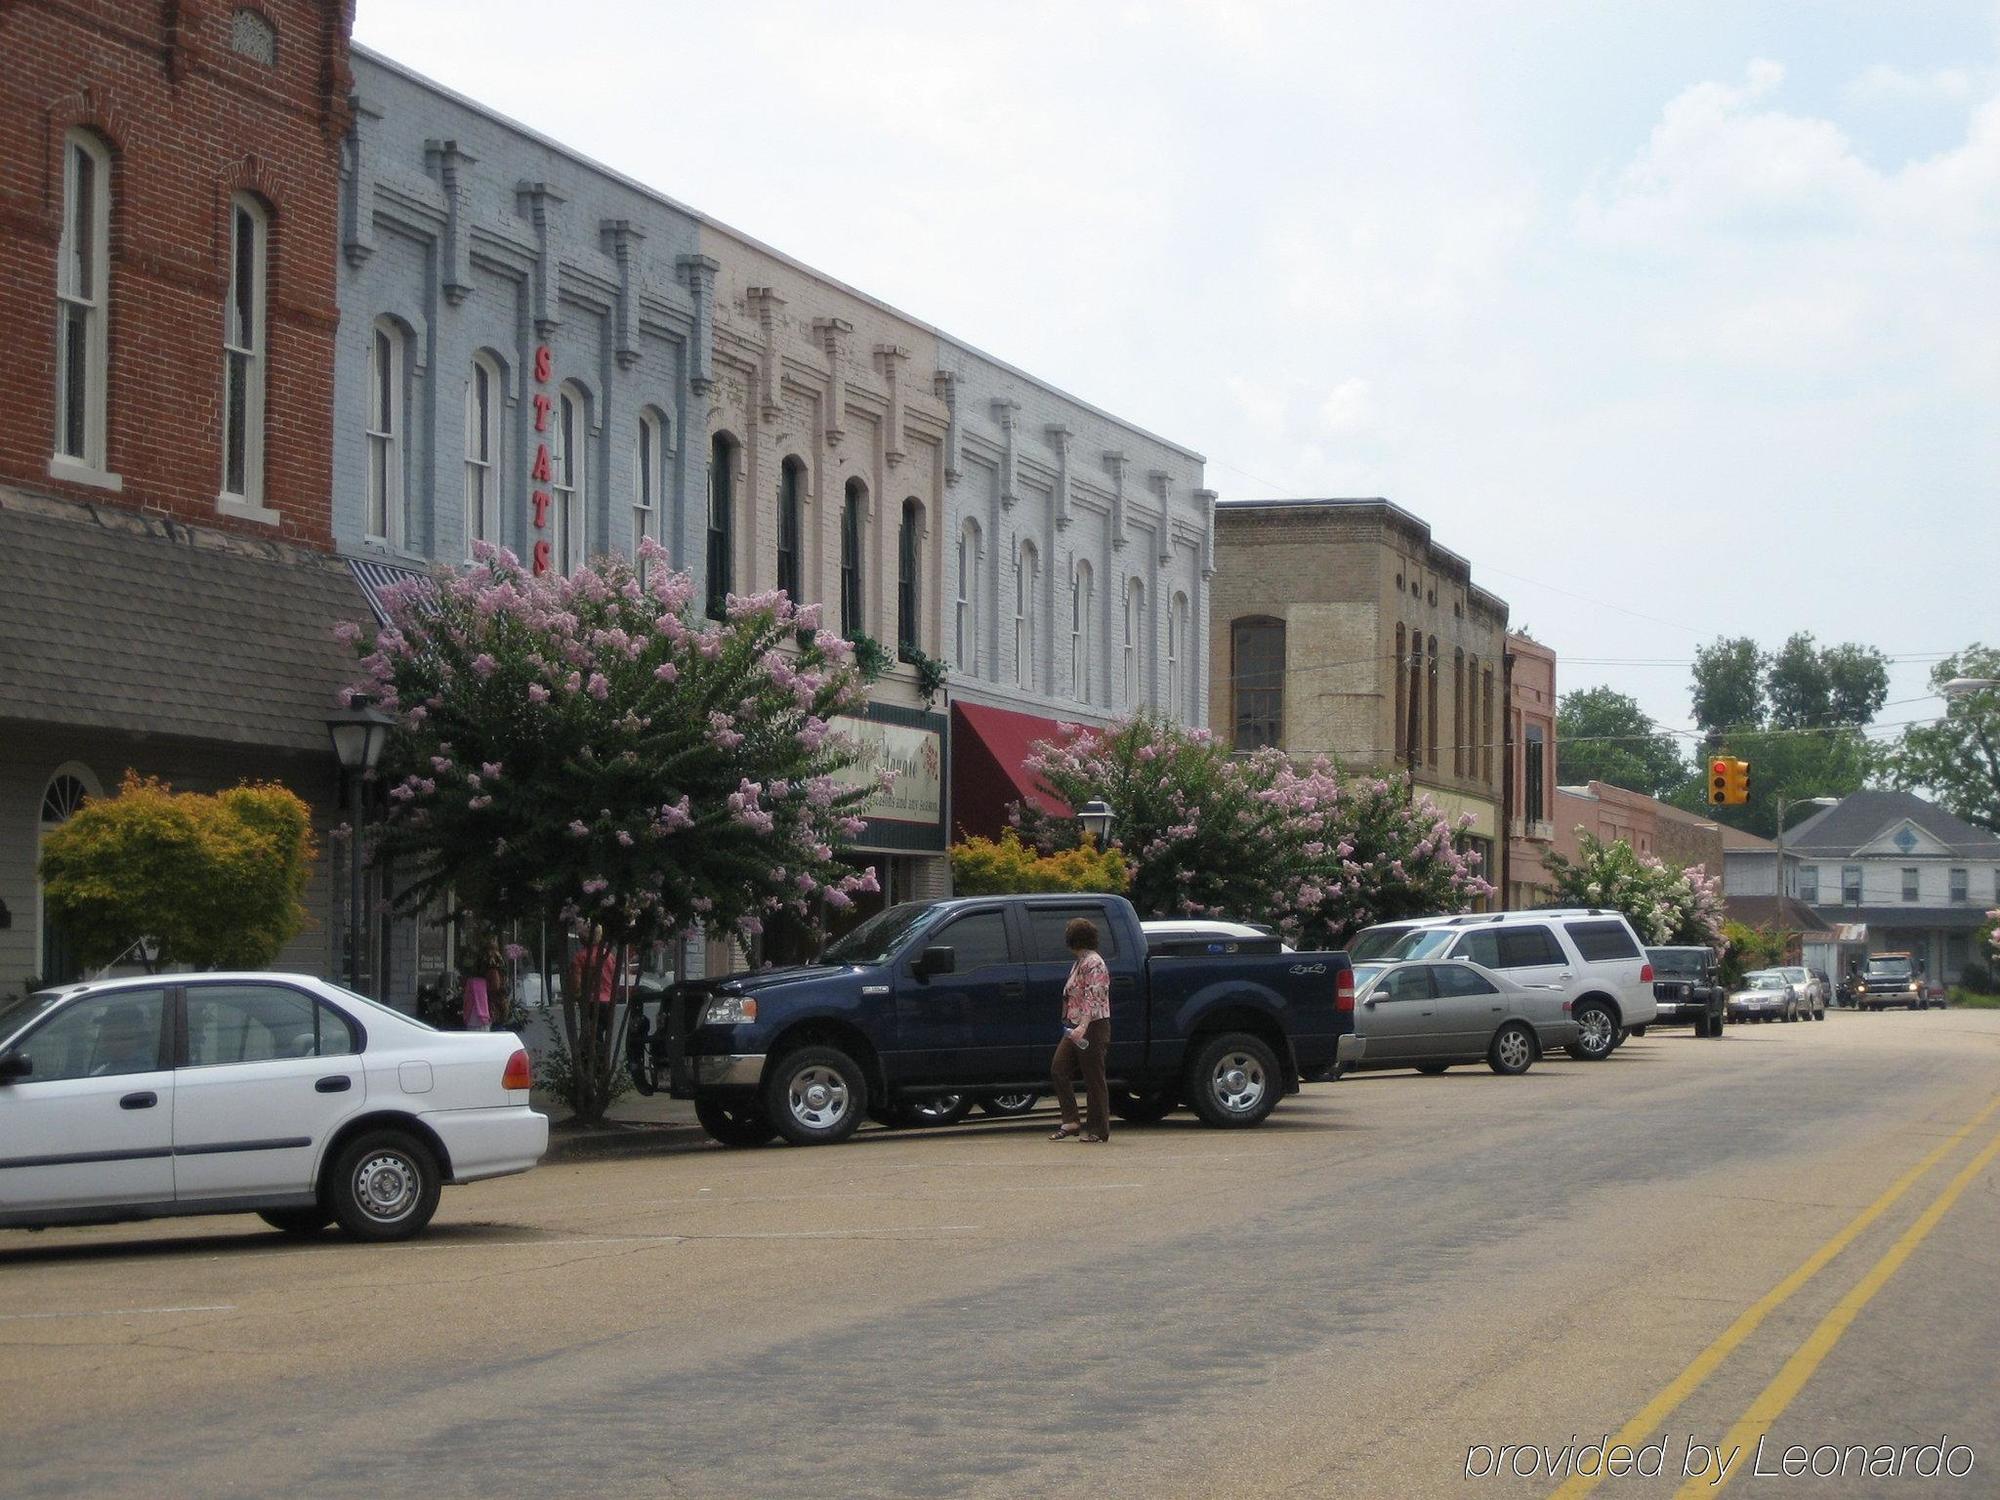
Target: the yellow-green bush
pixel 982 867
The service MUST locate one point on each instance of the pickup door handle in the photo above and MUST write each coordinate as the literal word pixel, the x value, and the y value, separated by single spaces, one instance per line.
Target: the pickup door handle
pixel 340 1083
pixel 145 1100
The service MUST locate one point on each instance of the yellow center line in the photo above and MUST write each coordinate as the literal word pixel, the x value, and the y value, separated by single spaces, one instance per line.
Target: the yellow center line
pixel 1704 1364
pixel 1779 1394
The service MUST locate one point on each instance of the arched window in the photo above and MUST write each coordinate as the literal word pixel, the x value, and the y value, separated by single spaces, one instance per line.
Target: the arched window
pixel 1177 651
pixel 791 514
pixel 965 610
pixel 909 537
pixel 243 354
pixel 1080 607
pixel 721 555
pixel 1135 636
pixel 83 269
pixel 1025 562
pixel 388 422
pixel 570 476
pixel 851 507
pixel 1257 681
pixel 649 475
pixel 65 793
pixel 483 402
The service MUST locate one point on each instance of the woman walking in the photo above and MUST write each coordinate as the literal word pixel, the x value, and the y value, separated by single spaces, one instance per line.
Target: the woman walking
pixel 1086 1036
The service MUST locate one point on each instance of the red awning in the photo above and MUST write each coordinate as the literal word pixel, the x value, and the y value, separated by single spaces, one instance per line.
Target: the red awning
pixel 989 747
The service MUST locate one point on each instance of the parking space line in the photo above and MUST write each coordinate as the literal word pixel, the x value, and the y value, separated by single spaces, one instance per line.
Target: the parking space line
pixel 116 1312
pixel 879 1232
pixel 1775 1397
pixel 1705 1363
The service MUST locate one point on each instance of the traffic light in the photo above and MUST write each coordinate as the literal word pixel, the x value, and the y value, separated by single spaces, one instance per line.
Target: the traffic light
pixel 1728 781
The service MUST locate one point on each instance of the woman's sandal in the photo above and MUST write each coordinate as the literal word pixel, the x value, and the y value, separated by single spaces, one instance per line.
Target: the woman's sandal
pixel 1064 1133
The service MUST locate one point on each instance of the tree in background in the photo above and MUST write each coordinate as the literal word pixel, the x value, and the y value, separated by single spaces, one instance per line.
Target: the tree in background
pixel 209 881
pixel 590 752
pixel 1664 906
pixel 1810 687
pixel 1316 854
pixel 1602 735
pixel 1729 685
pixel 1957 759
pixel 1006 866
pixel 1750 948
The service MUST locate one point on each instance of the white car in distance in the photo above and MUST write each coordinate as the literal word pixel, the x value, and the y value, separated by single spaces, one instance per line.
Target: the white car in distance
pixel 274 1094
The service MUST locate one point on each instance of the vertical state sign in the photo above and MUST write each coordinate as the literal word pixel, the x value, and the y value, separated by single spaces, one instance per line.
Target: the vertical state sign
pixel 916 756
pixel 539 471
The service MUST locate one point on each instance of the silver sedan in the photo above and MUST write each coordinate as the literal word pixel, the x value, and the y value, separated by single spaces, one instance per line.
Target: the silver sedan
pixel 1429 1015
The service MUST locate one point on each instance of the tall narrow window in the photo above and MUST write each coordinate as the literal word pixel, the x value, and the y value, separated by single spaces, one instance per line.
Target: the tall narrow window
pixel 1135 631
pixel 1486 746
pixel 791 512
pixel 1533 798
pixel 1257 682
pixel 1401 735
pixel 1457 712
pixel 1177 650
pixel 243 355
pixel 649 472
pixel 386 425
pixel 965 609
pixel 721 554
pixel 1431 707
pixel 1080 608
pixel 570 483
pixel 81 286
pixel 852 504
pixel 909 538
pixel 1025 563
pixel 482 453
pixel 1413 744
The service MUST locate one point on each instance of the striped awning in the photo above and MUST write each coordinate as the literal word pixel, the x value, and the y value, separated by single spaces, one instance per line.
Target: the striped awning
pixel 376 577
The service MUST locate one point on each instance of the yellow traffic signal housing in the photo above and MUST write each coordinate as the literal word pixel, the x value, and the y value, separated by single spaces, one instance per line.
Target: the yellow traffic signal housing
pixel 1728 781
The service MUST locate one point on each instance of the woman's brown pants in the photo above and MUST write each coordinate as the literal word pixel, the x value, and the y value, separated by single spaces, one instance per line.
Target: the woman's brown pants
pixel 1069 1057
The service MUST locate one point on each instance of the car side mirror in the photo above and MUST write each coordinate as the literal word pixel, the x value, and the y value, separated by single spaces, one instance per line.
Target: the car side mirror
pixel 936 961
pixel 15 1065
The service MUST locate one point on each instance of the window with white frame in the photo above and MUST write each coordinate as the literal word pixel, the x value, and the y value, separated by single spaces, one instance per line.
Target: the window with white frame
pixel 1961 887
pixel 1809 884
pixel 1909 882
pixel 570 481
pixel 387 422
pixel 482 452
pixel 243 356
pixel 1850 885
pixel 965 614
pixel 1079 630
pixel 649 467
pixel 1177 650
pixel 82 286
pixel 1135 666
pixel 1024 615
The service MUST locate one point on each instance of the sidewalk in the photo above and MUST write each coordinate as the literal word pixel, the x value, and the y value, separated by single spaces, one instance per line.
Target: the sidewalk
pixel 635 1126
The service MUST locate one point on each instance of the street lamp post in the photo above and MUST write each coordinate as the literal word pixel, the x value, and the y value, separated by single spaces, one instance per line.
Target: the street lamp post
pixel 358 734
pixel 1961 687
pixel 1095 816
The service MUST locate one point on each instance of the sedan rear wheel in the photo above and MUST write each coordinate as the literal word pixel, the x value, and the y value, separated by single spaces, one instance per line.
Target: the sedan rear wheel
pixel 937 1109
pixel 384 1186
pixel 1006 1105
pixel 1513 1050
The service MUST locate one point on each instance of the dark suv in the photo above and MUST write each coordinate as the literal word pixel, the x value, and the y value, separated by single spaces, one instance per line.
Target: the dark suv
pixel 1687 986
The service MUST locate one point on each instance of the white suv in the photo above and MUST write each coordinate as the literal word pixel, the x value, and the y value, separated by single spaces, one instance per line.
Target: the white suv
pixel 1591 953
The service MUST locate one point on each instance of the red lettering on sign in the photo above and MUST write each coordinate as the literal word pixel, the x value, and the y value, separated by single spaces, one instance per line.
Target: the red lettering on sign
pixel 542 405
pixel 541 502
pixel 540 472
pixel 544 364
pixel 541 557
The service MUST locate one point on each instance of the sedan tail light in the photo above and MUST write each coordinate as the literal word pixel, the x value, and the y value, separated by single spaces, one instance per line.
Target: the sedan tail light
pixel 1646 975
pixel 520 1073
pixel 1343 992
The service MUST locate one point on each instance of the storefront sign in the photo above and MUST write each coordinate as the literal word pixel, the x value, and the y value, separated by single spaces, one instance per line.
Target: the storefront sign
pixel 541 500
pixel 915 755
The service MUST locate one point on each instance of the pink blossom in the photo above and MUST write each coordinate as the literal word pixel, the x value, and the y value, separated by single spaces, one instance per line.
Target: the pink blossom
pixel 600 686
pixel 483 665
pixel 537 693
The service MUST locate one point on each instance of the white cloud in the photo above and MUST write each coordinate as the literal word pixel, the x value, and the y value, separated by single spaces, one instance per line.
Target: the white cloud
pixel 1884 84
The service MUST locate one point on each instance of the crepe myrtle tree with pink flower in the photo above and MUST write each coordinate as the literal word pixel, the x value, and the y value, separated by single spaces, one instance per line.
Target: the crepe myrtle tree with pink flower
pixel 590 751
pixel 1665 906
pixel 1317 854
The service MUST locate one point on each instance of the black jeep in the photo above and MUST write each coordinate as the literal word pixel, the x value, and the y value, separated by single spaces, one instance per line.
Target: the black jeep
pixel 1687 986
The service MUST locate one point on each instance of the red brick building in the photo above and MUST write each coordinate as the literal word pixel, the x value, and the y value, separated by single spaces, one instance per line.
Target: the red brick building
pixel 169 209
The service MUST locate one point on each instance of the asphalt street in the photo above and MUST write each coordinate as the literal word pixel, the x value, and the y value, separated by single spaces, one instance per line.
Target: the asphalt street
pixel 1789 1236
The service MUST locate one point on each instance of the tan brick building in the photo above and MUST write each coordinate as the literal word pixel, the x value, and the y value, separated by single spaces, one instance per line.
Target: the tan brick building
pixel 1531 723
pixel 1340 627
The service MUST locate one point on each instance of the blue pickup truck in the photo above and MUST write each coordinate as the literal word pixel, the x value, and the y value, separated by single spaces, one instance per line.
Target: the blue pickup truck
pixel 936 998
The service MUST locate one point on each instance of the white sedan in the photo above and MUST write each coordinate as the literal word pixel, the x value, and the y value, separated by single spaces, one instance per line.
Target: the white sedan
pixel 233 1093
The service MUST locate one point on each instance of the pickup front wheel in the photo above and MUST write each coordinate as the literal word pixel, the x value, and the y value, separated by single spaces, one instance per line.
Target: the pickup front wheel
pixel 1234 1080
pixel 815 1096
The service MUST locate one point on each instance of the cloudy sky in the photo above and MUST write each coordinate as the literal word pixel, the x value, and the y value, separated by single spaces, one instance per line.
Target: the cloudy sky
pixel 1676 317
